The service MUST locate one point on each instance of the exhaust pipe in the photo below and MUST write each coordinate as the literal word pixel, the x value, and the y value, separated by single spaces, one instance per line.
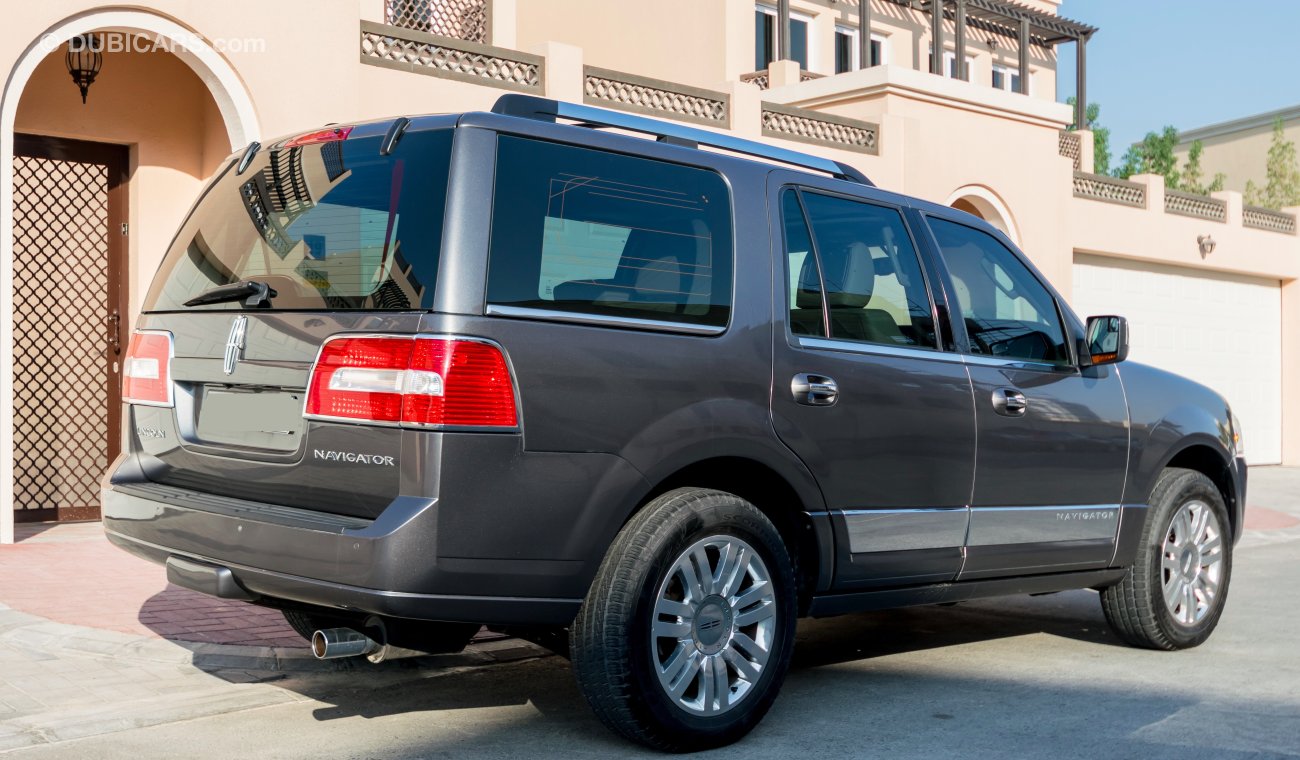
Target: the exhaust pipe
pixel 333 643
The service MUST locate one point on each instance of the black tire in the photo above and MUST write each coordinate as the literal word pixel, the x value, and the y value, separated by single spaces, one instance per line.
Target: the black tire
pixel 613 652
pixel 421 636
pixel 1135 607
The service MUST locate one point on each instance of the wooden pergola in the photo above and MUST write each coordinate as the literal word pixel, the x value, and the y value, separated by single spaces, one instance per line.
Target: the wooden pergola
pixel 1026 25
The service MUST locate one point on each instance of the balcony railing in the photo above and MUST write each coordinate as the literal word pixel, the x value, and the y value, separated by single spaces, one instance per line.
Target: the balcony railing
pixel 1268 219
pixel 655 97
pixel 1199 206
pixel 817 128
pixel 1099 187
pixel 1068 145
pixel 406 49
pixel 458 19
pixel 764 80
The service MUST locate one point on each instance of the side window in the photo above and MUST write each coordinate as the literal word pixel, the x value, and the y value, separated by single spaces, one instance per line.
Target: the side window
pixel 872 283
pixel 581 230
pixel 1007 312
pixel 805 292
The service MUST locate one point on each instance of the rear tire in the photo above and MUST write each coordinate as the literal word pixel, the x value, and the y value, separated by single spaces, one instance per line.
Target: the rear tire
pixel 1174 594
pixel 680 659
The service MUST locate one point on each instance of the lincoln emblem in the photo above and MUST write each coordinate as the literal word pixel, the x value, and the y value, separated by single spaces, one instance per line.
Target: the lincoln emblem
pixel 235 343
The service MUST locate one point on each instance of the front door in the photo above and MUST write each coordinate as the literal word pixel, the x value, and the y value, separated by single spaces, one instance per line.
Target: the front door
pixel 862 391
pixel 1053 437
pixel 69 305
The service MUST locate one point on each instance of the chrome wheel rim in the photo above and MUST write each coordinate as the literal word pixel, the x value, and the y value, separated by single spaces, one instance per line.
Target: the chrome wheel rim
pixel 713 626
pixel 1191 564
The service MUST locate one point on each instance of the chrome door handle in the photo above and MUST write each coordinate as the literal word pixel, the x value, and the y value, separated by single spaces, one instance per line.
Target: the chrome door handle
pixel 1010 402
pixel 814 390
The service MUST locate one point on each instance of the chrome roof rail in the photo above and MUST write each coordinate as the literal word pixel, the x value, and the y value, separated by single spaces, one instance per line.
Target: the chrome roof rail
pixel 530 107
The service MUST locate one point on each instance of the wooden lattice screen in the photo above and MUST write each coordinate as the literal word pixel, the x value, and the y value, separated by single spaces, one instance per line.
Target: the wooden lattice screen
pixel 65 395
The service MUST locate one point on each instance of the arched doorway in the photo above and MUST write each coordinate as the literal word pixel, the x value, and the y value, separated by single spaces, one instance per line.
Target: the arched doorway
pixel 158 120
pixel 987 205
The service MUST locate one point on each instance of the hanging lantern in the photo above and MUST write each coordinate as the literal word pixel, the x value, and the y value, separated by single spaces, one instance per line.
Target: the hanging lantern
pixel 84 59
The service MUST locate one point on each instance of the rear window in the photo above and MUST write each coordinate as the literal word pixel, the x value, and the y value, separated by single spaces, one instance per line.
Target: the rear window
pixel 586 231
pixel 328 225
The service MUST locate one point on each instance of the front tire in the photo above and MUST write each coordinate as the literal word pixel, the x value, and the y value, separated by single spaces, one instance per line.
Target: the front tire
pixel 685 637
pixel 1174 594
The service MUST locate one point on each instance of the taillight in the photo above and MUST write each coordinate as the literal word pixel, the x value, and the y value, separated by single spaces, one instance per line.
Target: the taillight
pixel 146 371
pixel 412 382
pixel 320 136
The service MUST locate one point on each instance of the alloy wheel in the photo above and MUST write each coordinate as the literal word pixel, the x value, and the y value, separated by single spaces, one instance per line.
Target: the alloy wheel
pixel 714 625
pixel 1191 563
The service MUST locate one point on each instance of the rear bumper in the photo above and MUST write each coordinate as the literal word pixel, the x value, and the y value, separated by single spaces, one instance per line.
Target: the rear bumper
pixel 265 584
pixel 385 567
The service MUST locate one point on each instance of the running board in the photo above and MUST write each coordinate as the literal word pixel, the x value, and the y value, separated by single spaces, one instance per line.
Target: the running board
pixel 941 593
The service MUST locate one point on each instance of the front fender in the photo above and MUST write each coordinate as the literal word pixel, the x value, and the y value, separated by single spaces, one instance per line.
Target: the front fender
pixel 1170 415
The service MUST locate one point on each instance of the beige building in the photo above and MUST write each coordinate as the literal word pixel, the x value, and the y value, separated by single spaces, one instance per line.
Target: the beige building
pixel 91 193
pixel 1239 148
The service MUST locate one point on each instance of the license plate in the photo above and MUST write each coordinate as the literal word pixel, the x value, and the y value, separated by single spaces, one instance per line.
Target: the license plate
pixel 249 419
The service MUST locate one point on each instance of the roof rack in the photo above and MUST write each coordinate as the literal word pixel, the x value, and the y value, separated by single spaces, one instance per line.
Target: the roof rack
pixel 543 109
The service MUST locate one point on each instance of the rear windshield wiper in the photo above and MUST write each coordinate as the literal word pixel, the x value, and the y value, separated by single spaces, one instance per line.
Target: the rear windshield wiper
pixel 253 293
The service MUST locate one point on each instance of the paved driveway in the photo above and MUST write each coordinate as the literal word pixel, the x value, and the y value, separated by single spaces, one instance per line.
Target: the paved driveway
pixel 1023 677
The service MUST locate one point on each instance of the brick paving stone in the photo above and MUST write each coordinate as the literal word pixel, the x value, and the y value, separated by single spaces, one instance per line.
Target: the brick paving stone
pixel 1263 518
pixel 45 574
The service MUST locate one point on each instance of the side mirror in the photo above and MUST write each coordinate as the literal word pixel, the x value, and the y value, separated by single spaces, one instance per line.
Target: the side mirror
pixel 1106 341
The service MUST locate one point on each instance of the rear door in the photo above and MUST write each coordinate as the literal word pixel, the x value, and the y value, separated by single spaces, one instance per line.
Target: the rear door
pixel 347 240
pixel 1053 437
pixel 864 391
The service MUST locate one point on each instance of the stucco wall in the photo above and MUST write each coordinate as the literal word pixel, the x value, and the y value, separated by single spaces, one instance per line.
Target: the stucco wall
pixel 677 40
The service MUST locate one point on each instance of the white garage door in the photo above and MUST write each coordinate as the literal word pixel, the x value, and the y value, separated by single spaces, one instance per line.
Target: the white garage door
pixel 1222 330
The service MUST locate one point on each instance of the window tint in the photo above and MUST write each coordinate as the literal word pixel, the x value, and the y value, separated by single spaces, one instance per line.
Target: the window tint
pixel 873 286
pixel 805 292
pixel 587 231
pixel 846 50
pixel 1007 312
pixel 1004 79
pixel 845 42
pixel 765 37
pixel 328 225
pixel 799 42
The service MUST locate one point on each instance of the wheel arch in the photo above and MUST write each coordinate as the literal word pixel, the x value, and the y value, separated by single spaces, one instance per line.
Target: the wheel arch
pixel 803 526
pixel 1211 461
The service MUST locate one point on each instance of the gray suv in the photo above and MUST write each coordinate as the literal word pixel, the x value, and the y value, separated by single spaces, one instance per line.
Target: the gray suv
pixel 647 400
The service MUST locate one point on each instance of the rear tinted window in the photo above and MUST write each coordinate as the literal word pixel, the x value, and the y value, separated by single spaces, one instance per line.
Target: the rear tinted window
pixel 330 225
pixel 586 231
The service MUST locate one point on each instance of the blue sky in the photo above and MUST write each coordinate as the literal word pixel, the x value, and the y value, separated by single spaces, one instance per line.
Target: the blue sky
pixel 1188 63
